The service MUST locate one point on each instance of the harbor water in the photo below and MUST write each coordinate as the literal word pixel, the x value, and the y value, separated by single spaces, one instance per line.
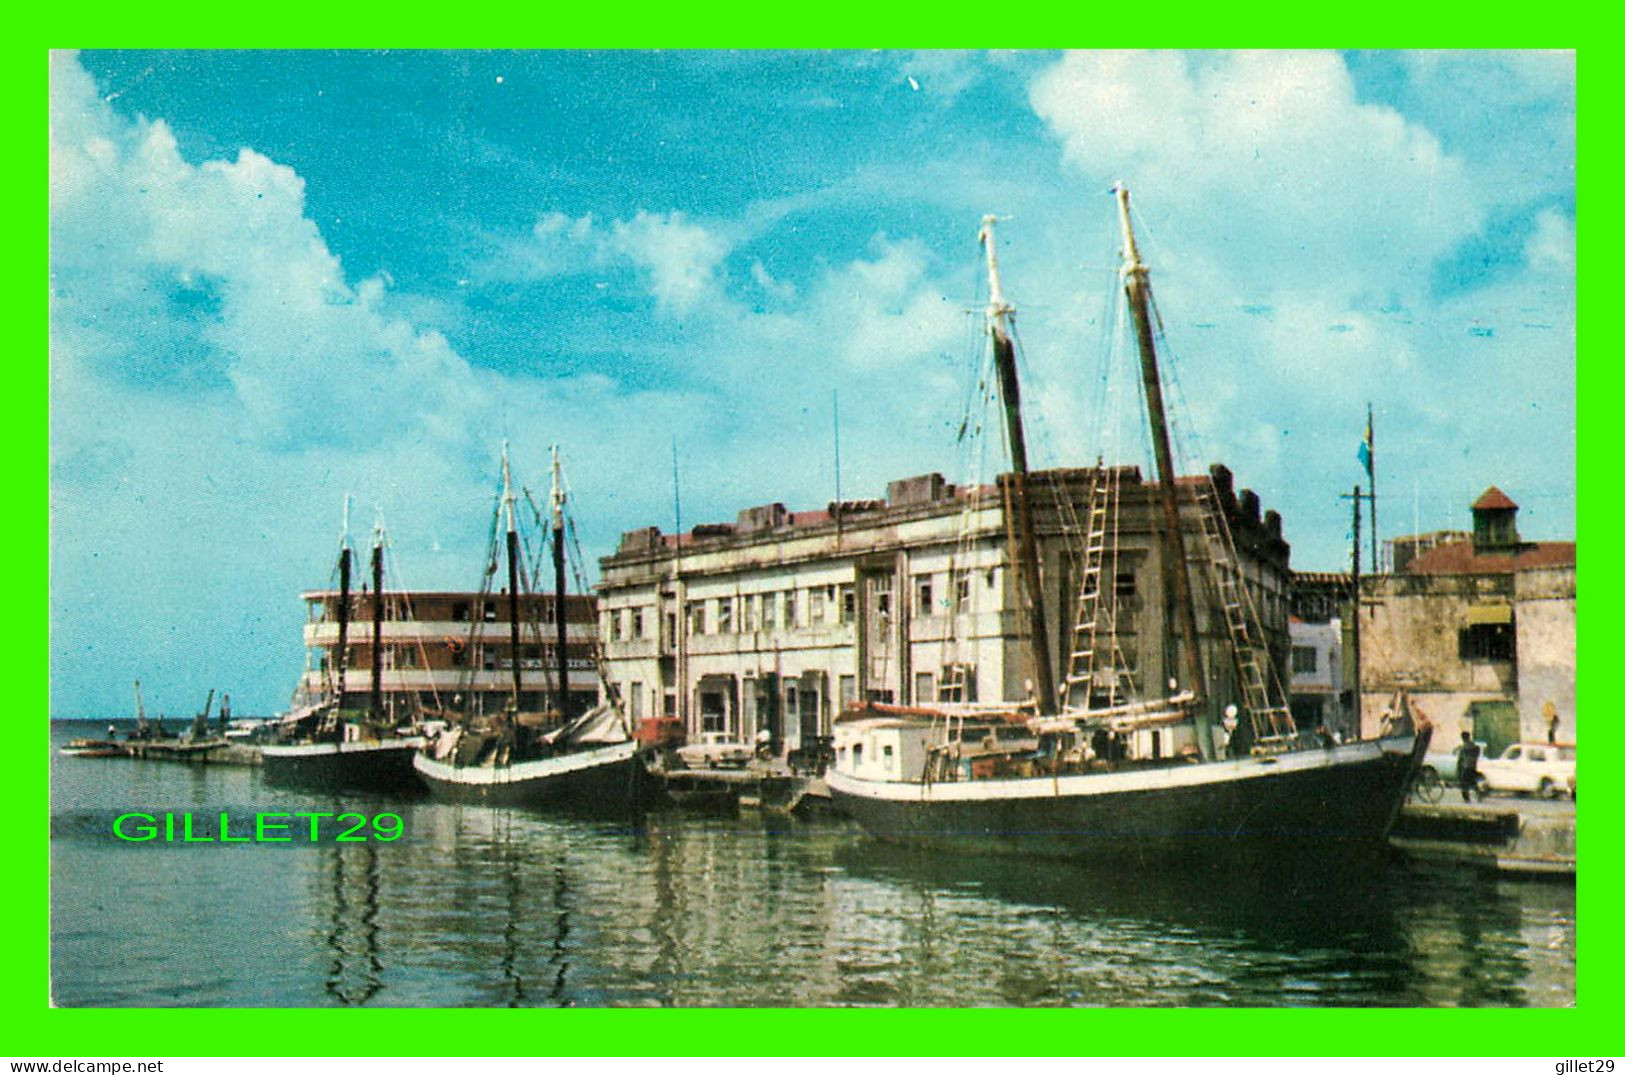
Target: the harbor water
pixel 474 906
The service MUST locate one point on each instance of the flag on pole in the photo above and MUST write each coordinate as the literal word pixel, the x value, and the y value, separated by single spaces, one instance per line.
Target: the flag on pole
pixel 1365 447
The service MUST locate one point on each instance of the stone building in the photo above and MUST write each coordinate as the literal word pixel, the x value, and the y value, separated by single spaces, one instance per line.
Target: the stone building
pixel 1480 630
pixel 773 622
pixel 1319 695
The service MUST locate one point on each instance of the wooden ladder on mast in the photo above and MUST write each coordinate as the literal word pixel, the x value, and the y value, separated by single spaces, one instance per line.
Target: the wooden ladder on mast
pixel 1272 723
pixel 1081 666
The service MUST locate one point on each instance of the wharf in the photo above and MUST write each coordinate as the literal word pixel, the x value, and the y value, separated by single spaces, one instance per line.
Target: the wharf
pixel 187 751
pixel 769 787
pixel 1523 836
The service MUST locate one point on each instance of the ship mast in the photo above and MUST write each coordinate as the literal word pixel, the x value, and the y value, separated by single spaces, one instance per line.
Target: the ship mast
pixel 376 704
pixel 558 588
pixel 344 607
pixel 1176 570
pixel 1004 358
pixel 513 577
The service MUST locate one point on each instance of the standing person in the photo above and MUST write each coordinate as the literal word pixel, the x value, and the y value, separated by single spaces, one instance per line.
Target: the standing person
pixel 1551 722
pixel 1467 767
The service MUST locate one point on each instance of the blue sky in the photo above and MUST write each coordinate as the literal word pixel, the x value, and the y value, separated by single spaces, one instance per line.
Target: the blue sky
pixel 277 278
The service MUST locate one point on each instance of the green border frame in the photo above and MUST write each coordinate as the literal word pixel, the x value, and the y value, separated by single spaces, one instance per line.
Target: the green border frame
pixel 35 1029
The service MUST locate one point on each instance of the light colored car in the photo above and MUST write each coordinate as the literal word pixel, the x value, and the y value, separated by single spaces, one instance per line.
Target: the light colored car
pixel 715 750
pixel 1543 769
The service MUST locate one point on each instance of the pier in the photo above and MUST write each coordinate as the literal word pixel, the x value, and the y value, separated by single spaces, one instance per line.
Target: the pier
pixel 1520 836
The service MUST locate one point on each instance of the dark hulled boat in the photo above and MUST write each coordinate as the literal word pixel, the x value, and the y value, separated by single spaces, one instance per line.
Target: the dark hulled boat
pixel 1123 781
pixel 325 746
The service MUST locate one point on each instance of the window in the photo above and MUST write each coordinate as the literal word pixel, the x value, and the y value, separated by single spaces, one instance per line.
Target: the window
pixel 459 612
pixel 789 608
pixel 750 607
pixel 849 604
pixel 1125 584
pixel 637 623
pixel 961 590
pixel 725 615
pixel 1304 659
pixel 612 626
pixel 634 701
pixel 770 611
pixel 857 755
pixel 815 606
pixel 958 683
pixel 696 617
pixel 925 687
pixel 922 597
pixel 849 690
pixel 886 760
pixel 1487 642
pixel 489 612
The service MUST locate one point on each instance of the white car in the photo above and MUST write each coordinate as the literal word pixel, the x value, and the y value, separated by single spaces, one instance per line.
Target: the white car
pixel 1543 769
pixel 715 750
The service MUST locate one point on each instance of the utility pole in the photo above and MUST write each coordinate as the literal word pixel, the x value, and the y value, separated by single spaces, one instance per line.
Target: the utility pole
pixel 1354 603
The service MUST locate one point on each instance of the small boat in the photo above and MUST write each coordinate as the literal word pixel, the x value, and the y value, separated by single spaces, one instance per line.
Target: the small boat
pixel 93 748
pixel 1080 771
pixel 515 758
pixel 325 745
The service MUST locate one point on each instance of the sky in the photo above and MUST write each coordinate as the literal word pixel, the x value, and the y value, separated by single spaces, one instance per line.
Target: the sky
pixel 277 279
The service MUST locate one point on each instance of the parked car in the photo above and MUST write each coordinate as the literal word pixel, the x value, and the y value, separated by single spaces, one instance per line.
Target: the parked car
pixel 1543 769
pixel 715 750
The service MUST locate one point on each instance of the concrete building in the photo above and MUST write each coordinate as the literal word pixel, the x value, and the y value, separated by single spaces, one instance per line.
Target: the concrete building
pixel 1319 689
pixel 443 651
pixel 773 622
pixel 1480 630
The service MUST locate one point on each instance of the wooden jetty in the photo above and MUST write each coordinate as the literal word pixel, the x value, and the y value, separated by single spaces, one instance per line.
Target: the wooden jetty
pixel 215 751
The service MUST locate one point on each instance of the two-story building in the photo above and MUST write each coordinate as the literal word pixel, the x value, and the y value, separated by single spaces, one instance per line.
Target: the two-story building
pixel 773 622
pixel 1479 630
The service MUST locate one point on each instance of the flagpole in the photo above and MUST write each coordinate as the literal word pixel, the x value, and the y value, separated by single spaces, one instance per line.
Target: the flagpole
pixel 1370 439
pixel 1371 472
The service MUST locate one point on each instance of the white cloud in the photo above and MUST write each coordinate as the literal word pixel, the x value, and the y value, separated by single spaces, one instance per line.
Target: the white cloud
pixel 681 258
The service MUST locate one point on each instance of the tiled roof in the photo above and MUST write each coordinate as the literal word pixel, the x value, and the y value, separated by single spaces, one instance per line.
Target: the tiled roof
pixel 1458 558
pixel 1492 500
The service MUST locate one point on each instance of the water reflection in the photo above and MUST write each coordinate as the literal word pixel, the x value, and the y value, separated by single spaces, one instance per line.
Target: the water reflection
pixel 354 969
pixel 482 907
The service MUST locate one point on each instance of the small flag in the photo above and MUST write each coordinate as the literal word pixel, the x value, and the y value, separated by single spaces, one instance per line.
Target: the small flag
pixel 1365 447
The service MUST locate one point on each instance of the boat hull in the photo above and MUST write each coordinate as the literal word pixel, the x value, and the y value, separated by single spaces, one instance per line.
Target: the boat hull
pixel 608 779
pixel 1311 804
pixel 365 766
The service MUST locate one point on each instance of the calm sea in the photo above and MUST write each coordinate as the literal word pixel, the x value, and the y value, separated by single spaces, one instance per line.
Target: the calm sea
pixel 475 906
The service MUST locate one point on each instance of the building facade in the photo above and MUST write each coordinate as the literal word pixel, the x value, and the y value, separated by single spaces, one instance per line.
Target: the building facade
pixel 774 622
pixel 1480 630
pixel 448 653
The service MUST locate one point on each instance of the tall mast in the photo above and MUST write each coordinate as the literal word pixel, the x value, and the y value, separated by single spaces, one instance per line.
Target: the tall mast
pixel 513 577
pixel 377 701
pixel 1004 358
pixel 140 711
pixel 344 606
pixel 1176 570
pixel 558 588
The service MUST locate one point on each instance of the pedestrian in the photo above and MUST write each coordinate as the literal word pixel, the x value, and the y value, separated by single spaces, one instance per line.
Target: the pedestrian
pixel 1467 767
pixel 1551 723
